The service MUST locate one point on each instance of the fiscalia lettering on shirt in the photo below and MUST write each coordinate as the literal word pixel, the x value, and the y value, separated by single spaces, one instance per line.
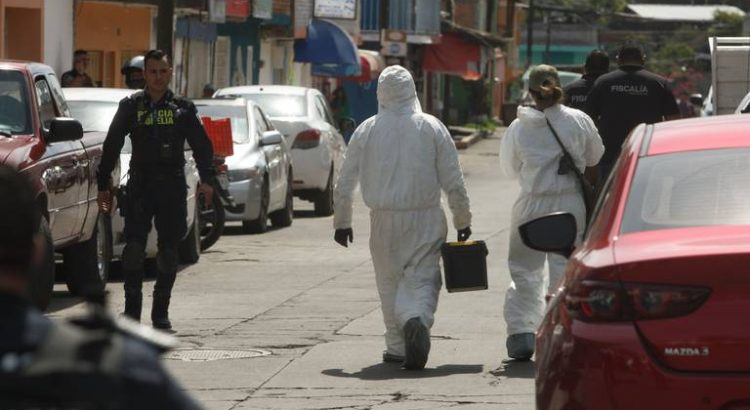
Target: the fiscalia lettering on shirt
pixel 629 89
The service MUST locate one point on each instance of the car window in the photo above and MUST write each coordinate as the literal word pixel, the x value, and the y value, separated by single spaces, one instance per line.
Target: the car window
pixel 269 123
pixel 45 103
pixel 96 116
pixel 58 96
pixel 327 111
pixel 260 124
pixel 237 115
pixel 15 115
pixel 279 105
pixel 700 188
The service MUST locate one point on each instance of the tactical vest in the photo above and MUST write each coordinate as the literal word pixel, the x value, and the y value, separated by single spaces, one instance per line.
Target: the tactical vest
pixel 156 140
pixel 72 369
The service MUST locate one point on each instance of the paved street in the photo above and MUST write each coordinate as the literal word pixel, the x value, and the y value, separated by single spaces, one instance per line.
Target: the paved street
pixel 307 313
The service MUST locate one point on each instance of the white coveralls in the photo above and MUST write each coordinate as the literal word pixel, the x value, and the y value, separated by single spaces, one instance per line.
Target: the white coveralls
pixel 401 158
pixel 529 152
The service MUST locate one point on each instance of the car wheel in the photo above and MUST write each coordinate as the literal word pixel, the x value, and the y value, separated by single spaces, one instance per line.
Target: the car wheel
pixel 283 217
pixel 190 247
pixel 210 221
pixel 259 225
pixel 324 200
pixel 87 263
pixel 43 273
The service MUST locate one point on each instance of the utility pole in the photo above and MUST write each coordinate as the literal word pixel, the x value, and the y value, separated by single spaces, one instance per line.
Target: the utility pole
pixel 165 27
pixel 529 32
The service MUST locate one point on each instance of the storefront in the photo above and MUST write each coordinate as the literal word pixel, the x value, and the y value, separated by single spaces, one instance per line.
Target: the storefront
pixel 112 33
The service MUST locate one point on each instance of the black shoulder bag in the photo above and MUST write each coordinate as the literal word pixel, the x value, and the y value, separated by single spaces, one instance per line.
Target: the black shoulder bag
pixel 567 164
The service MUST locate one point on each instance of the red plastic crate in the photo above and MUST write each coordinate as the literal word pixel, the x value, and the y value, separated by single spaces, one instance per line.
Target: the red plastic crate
pixel 220 133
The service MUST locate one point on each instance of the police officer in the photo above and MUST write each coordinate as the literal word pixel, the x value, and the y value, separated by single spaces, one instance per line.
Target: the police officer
pixel 45 364
pixel 576 93
pixel 626 97
pixel 158 123
pixel 133 72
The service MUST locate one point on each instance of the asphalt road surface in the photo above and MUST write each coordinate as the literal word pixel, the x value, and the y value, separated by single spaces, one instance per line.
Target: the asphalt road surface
pixel 290 320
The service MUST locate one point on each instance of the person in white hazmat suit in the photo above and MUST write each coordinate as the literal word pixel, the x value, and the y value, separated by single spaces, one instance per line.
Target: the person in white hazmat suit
pixel 529 152
pixel 401 158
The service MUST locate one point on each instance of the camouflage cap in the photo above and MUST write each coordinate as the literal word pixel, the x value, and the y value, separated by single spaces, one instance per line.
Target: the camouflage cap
pixel 541 74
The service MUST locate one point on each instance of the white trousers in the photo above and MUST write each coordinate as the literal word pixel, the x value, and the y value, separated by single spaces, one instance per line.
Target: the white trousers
pixel 405 249
pixel 525 297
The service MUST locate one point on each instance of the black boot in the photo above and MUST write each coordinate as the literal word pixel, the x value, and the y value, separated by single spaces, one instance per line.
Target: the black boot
pixel 133 302
pixel 160 311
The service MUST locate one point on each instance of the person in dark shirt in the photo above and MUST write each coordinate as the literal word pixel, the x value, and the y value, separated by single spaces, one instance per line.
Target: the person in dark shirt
pixel 158 124
pixel 61 365
pixel 77 77
pixel 576 93
pixel 624 98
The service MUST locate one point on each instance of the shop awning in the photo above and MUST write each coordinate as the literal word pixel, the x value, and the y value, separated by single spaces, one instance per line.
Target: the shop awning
pixel 454 55
pixel 326 43
pixel 372 64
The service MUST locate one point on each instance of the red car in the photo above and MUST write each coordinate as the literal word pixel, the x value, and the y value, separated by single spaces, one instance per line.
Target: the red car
pixel 654 309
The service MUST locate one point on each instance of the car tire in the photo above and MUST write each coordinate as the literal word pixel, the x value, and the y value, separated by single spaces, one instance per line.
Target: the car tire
pixel 190 247
pixel 211 222
pixel 42 274
pixel 284 217
pixel 324 199
pixel 259 225
pixel 87 264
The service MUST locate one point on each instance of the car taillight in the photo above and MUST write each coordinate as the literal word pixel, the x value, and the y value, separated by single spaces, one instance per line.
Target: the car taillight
pixel 601 301
pixel 307 139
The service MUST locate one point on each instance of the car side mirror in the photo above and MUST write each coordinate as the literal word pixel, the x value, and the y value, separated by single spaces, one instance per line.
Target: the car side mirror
pixel 554 233
pixel 270 138
pixel 696 99
pixel 347 124
pixel 64 129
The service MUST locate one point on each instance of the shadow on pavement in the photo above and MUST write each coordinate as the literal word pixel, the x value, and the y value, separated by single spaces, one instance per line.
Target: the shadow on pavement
pixel 61 300
pixel 306 213
pixel 387 371
pixel 515 369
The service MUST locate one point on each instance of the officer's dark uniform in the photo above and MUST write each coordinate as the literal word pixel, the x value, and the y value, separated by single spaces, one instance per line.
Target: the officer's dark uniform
pixel 622 99
pixel 576 93
pixel 156 187
pixel 46 365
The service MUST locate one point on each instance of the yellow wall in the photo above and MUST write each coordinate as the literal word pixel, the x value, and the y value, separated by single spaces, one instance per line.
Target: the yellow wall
pixel 22 22
pixel 111 33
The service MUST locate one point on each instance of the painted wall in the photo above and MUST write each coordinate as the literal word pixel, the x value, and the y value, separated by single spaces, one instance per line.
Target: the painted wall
pixel 114 32
pixel 22 29
pixel 58 35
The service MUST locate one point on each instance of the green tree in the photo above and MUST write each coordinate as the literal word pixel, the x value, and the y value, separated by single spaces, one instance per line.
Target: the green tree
pixel 726 24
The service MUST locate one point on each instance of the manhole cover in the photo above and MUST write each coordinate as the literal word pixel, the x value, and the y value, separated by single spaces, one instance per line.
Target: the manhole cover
pixel 208 355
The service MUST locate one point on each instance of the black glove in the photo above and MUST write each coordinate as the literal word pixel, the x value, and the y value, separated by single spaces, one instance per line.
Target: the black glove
pixel 464 234
pixel 344 236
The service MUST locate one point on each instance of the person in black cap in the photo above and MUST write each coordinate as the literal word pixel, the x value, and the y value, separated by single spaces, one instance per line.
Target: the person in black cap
pixel 158 124
pixel 576 93
pixel 626 97
pixel 95 363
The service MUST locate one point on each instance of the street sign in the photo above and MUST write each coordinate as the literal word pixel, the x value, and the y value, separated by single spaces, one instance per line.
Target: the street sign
pixel 393 48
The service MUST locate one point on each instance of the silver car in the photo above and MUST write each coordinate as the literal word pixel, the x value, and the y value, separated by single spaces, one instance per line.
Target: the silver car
pixel 260 170
pixel 317 146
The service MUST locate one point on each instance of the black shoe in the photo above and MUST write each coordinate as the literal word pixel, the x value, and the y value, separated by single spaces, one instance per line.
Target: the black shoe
pixel 162 324
pixel 392 358
pixel 417 344
pixel 133 304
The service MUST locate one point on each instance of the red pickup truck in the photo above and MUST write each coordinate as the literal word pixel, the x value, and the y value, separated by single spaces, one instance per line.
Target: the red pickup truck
pixel 38 137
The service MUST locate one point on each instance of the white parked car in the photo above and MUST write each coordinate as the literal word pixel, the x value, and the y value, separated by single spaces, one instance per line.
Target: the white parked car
pixel 95 108
pixel 260 170
pixel 303 116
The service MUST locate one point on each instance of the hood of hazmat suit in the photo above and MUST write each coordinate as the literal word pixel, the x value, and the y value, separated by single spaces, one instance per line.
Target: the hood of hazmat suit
pixel 530 153
pixel 402 158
